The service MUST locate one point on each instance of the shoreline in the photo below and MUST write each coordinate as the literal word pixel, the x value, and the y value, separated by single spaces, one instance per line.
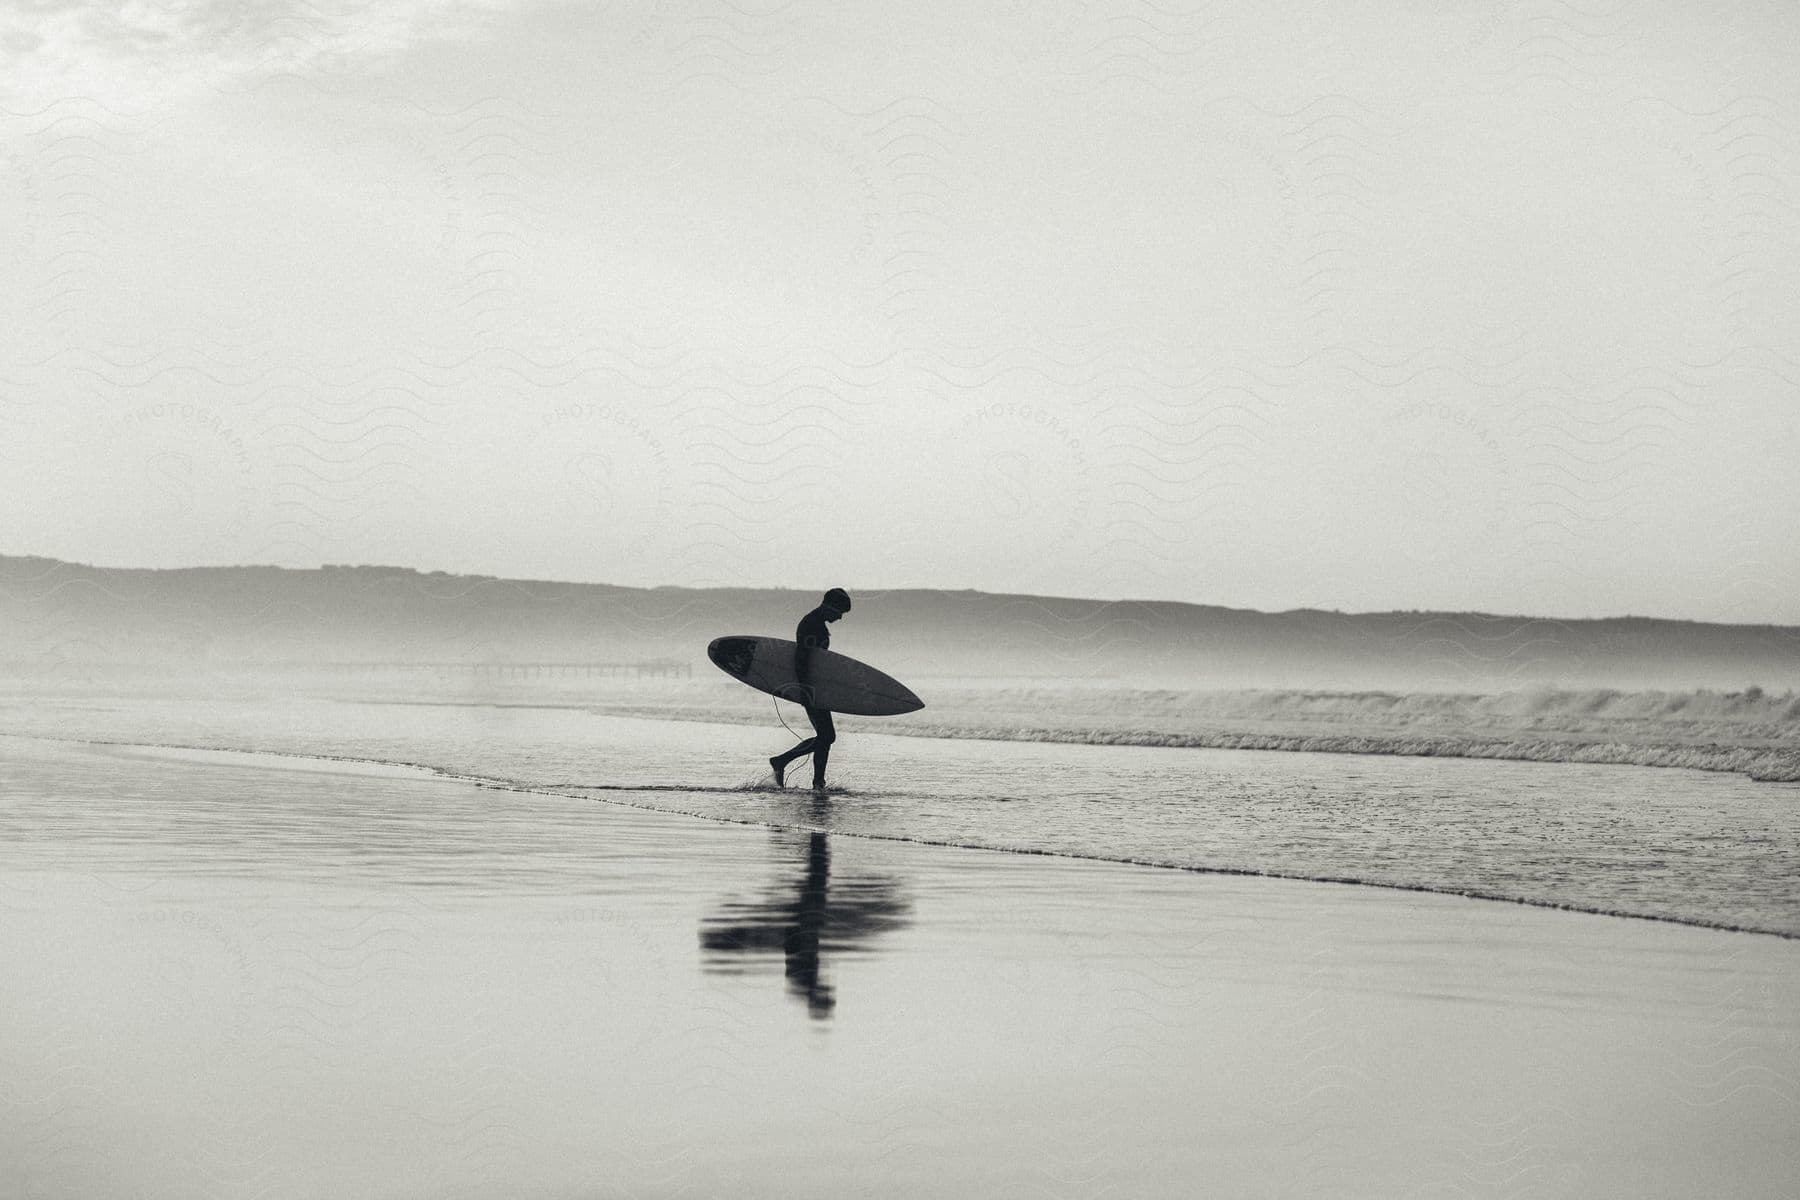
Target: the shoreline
pixel 517 994
pixel 1750 734
pixel 1763 764
pixel 613 795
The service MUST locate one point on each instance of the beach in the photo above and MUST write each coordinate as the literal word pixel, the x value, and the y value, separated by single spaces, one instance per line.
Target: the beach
pixel 290 976
pixel 1282 522
pixel 1710 848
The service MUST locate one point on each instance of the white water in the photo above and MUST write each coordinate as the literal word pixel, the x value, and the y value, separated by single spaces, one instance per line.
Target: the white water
pixel 1714 849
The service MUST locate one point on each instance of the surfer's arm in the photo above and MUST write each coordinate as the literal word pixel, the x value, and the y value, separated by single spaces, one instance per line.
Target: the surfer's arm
pixel 805 643
pixel 803 653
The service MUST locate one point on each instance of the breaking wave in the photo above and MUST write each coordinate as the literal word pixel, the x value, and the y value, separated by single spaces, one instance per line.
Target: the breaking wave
pixel 1751 732
pixel 1765 764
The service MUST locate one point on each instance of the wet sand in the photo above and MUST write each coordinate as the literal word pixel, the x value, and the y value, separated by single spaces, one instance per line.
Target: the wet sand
pixel 470 992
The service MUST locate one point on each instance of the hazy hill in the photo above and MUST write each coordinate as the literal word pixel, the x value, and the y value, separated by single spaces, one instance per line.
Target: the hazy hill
pixel 55 613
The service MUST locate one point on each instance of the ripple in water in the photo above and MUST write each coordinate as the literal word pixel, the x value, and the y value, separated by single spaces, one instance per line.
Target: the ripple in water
pixel 1702 848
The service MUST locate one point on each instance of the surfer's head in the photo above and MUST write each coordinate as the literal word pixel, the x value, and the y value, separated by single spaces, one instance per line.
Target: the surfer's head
pixel 836 603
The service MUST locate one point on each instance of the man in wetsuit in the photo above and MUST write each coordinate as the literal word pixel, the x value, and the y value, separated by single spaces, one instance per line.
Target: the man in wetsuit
pixel 810 635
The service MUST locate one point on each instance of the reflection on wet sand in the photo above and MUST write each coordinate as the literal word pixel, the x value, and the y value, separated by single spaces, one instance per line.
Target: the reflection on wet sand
pixel 803 917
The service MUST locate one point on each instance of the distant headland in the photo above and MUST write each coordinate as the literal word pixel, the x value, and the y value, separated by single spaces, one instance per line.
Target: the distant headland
pixel 54 612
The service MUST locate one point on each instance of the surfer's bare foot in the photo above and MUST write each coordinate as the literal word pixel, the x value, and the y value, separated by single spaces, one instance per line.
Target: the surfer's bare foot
pixel 780 769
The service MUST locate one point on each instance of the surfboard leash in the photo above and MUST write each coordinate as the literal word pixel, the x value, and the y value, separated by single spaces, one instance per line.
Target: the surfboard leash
pixel 776 701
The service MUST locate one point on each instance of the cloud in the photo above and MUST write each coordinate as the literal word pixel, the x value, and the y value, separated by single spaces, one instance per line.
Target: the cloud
pixel 138 53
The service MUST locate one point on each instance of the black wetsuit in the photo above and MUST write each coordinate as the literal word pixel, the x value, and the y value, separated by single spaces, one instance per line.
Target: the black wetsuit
pixel 812 634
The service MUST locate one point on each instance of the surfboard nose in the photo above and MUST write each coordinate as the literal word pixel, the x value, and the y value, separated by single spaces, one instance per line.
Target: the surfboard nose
pixel 732 655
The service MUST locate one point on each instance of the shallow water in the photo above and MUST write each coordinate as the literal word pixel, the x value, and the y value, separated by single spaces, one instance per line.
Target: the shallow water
pixel 1678 845
pixel 292 977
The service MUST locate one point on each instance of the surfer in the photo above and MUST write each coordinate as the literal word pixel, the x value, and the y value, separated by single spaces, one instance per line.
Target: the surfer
pixel 810 635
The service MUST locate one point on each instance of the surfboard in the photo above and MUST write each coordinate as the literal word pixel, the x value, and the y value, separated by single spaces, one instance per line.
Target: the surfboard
pixel 839 682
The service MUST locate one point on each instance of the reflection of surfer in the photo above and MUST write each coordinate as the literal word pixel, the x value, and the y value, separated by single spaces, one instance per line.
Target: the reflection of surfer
pixel 800 942
pixel 810 635
pixel 806 918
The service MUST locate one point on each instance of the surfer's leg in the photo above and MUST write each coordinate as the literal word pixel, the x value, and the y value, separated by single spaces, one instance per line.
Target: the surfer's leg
pixel 821 745
pixel 779 763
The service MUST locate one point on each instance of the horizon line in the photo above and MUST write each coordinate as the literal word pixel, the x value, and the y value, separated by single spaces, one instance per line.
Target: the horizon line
pixel 1448 612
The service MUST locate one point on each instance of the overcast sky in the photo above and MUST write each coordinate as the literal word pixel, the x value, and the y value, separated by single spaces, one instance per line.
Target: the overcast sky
pixel 1363 305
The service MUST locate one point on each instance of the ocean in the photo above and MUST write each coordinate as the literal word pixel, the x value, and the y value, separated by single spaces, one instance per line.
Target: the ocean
pixel 293 942
pixel 1708 848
